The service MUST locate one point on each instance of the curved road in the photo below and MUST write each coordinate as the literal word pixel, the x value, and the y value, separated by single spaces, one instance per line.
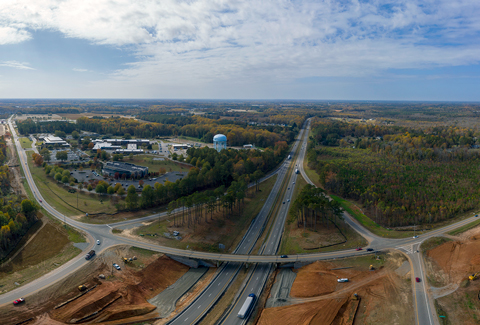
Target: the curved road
pixel 425 314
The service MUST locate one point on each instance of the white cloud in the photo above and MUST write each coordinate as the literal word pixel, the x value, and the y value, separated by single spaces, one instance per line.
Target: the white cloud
pixel 12 35
pixel 193 41
pixel 80 70
pixel 16 65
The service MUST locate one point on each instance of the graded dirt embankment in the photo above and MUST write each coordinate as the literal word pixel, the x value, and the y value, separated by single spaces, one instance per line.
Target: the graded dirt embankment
pixel 317 297
pixel 452 263
pixel 121 297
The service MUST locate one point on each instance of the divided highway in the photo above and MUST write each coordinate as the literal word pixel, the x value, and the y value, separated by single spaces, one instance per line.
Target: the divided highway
pixel 207 299
pixel 425 313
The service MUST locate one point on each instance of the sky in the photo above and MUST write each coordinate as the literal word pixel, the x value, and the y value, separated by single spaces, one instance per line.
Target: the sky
pixel 241 49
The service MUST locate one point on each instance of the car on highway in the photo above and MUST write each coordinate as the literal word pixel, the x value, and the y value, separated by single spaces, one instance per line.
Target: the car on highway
pixel 476 215
pixel 98 242
pixel 115 265
pixel 359 248
pixel 369 249
pixel 19 301
pixel 284 256
pixel 417 279
pixel 283 202
pixel 288 200
pixel 289 188
pixel 40 200
pixel 342 280
pixel 415 236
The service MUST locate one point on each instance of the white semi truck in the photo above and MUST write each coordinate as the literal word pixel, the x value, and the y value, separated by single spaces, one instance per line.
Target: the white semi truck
pixel 247 306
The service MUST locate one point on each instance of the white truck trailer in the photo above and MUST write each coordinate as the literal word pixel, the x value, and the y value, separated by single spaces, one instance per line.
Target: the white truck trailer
pixel 247 306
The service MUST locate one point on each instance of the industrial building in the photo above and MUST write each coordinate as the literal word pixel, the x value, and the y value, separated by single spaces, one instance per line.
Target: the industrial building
pixel 131 170
pixel 219 142
pixel 123 142
pixel 105 146
pixel 54 141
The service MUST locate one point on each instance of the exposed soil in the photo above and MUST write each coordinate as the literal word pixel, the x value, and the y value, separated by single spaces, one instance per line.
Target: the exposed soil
pixel 123 295
pixel 456 260
pixel 385 298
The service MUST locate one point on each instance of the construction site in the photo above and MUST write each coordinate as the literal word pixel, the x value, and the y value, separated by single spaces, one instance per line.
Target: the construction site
pixel 377 291
pixel 453 270
pixel 147 287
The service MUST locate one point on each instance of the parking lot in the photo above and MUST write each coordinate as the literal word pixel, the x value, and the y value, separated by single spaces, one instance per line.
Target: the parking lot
pixel 88 176
pixel 74 155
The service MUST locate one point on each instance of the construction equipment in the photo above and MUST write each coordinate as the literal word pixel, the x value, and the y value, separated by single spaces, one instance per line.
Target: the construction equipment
pixel 127 260
pixel 371 268
pixel 474 276
pixel 82 287
pixel 355 297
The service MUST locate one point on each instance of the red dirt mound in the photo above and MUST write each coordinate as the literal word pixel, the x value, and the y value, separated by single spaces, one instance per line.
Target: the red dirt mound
pixel 457 259
pixel 318 312
pixel 318 279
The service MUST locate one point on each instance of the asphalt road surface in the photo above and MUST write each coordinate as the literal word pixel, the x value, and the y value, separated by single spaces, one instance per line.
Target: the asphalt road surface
pixel 425 314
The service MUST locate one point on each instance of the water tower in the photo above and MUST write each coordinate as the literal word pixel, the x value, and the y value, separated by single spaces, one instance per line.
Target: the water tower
pixel 219 142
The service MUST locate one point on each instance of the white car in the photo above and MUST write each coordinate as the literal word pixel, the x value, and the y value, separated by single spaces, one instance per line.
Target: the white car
pixel 98 241
pixel 115 265
pixel 342 280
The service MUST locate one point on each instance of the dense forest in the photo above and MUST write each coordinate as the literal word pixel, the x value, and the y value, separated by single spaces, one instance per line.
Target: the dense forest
pixel 30 127
pixel 404 178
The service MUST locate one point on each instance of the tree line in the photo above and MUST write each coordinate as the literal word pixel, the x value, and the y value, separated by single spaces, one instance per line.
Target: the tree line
pixel 405 178
pixel 16 217
pixel 312 207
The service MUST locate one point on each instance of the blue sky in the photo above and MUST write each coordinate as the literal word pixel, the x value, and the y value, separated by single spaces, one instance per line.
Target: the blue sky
pixel 194 49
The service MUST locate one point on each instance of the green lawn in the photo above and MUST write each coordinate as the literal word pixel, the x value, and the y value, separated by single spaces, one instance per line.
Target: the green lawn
pixel 155 165
pixel 55 195
pixel 26 143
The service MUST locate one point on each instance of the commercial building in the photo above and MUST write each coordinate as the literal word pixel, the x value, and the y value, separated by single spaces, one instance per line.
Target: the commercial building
pixel 131 170
pixel 105 146
pixel 180 146
pixel 123 142
pixel 54 141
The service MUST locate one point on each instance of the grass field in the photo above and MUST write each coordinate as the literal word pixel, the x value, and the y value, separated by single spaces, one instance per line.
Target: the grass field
pixel 465 228
pixel 26 143
pixel 368 223
pixel 207 236
pixel 295 240
pixel 52 192
pixel 155 165
pixel 35 260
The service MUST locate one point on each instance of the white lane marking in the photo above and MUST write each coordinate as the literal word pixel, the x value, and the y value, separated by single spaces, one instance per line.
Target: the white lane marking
pixel 186 319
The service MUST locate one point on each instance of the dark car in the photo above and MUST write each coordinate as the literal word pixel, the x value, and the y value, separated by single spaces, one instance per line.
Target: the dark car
pixel 417 279
pixel 19 301
pixel 284 256
pixel 283 202
pixel 359 249
pixel 369 249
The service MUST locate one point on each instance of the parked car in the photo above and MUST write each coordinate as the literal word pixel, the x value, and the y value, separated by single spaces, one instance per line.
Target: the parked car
pixel 115 265
pixel 342 280
pixel 19 301
pixel 417 279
